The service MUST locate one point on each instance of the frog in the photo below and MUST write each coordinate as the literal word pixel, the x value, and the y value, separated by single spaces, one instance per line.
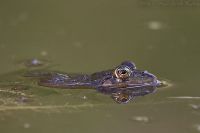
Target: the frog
pixel 123 82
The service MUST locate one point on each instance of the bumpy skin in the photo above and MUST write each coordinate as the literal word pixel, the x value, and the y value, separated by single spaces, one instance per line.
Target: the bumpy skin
pixel 122 88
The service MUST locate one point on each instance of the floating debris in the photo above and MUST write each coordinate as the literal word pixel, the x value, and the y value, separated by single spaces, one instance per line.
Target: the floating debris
pixel 143 119
pixel 194 106
pixel 84 97
pixel 45 107
pixel 27 125
pixel 185 97
pixel 23 100
pixel 34 62
pixel 44 53
pixel 12 92
pixel 155 25
pixel 197 126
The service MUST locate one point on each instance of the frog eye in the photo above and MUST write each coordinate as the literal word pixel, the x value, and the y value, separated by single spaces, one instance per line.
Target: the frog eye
pixel 122 72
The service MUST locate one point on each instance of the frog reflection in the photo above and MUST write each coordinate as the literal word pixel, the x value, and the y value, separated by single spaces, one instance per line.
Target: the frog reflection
pixel 123 83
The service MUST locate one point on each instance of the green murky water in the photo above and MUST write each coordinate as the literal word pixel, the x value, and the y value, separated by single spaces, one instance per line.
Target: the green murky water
pixel 89 36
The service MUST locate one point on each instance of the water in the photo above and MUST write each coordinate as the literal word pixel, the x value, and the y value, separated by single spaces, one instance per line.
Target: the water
pixel 89 36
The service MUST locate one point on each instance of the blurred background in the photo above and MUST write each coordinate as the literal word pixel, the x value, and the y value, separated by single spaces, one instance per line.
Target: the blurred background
pixel 161 36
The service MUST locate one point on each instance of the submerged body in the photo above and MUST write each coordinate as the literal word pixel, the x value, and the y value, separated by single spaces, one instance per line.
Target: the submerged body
pixel 123 83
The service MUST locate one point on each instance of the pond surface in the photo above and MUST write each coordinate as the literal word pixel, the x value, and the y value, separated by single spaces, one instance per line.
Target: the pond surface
pixel 90 36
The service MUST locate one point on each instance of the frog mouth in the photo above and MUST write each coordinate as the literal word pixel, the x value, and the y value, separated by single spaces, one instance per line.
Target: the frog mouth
pixel 131 84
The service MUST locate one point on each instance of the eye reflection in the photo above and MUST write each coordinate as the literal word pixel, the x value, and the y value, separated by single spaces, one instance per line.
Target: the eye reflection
pixel 121 97
pixel 122 72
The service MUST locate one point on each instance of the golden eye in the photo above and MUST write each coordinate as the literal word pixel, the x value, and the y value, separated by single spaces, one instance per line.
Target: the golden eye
pixel 122 72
